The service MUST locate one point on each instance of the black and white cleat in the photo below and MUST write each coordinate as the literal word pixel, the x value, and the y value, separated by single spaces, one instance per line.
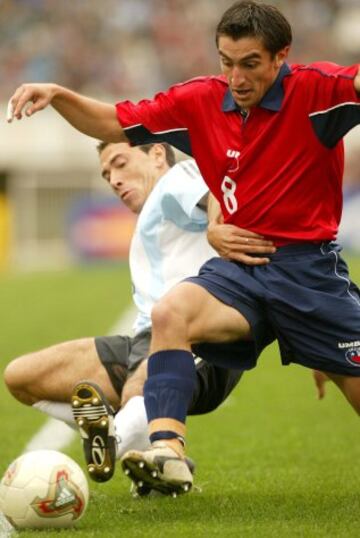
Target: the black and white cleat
pixel 95 419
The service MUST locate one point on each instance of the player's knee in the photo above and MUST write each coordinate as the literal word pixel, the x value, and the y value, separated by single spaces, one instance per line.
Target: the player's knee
pixel 12 375
pixel 15 379
pixel 167 316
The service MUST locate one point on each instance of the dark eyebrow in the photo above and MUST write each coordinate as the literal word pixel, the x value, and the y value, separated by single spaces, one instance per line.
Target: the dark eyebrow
pixel 224 55
pixel 251 56
pixel 116 156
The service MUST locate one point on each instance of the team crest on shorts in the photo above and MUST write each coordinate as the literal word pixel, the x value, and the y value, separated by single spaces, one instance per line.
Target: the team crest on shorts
pixel 353 356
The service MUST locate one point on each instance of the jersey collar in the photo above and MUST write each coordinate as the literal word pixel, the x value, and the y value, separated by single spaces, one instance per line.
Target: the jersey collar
pixel 272 100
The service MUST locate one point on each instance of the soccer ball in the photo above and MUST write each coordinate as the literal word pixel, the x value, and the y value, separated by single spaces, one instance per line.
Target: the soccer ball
pixel 43 488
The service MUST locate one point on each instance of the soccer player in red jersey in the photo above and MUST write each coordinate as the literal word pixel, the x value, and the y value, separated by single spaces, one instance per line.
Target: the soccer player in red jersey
pixel 267 137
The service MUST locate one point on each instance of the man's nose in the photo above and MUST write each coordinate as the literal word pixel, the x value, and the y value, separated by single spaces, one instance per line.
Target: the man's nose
pixel 115 179
pixel 237 76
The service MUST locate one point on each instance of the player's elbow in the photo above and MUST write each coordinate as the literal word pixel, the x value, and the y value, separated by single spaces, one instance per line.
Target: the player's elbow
pixel 113 134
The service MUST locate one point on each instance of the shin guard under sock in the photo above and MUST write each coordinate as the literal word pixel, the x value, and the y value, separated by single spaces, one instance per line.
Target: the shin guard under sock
pixel 168 392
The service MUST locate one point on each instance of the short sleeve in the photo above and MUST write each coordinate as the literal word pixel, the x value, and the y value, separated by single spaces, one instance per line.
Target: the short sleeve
pixel 161 119
pixel 183 190
pixel 334 105
pixel 331 85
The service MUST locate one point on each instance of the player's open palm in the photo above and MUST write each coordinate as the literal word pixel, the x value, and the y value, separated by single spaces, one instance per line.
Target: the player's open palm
pixel 30 98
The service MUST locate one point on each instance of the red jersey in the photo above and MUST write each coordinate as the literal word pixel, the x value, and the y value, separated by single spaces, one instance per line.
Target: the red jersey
pixel 277 172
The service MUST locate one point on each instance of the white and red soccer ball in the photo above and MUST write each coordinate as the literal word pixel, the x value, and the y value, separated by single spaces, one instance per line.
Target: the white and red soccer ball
pixel 44 488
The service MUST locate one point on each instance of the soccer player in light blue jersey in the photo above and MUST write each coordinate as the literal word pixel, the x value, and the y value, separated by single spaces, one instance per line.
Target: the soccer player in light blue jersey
pixel 169 243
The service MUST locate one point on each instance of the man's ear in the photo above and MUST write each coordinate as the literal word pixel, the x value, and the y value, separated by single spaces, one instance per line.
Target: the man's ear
pixel 159 153
pixel 281 56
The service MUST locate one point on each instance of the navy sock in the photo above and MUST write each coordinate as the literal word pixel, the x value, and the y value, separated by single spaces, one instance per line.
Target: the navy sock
pixel 169 388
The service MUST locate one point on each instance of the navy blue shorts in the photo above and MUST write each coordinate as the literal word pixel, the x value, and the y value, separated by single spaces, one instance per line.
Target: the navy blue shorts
pixel 304 295
pixel 121 355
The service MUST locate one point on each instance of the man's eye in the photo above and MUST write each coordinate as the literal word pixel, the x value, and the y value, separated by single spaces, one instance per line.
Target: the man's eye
pixel 119 164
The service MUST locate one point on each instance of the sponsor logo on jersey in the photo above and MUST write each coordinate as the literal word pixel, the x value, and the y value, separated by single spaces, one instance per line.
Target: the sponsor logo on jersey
pixel 233 154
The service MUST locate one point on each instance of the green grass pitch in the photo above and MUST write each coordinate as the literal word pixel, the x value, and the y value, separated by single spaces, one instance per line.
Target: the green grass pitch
pixel 273 461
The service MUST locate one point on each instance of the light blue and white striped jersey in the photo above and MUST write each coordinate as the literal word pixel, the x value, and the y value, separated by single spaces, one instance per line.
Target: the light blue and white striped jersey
pixel 169 242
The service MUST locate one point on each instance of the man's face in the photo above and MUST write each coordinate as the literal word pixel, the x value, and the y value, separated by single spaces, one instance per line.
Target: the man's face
pixel 130 172
pixel 249 68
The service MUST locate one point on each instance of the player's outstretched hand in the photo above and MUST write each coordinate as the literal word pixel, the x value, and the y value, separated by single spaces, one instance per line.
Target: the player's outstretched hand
pixel 28 99
pixel 320 379
pixel 233 243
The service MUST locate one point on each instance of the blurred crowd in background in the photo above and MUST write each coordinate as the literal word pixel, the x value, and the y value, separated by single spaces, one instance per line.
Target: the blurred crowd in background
pixel 135 47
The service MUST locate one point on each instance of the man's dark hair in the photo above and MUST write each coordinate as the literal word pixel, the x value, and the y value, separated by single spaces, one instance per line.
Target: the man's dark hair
pixel 254 19
pixel 169 151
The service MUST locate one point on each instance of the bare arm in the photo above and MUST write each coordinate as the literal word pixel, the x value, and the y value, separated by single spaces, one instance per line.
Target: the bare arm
pixel 213 210
pixel 320 378
pixel 88 116
pixel 234 243
pixel 357 82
